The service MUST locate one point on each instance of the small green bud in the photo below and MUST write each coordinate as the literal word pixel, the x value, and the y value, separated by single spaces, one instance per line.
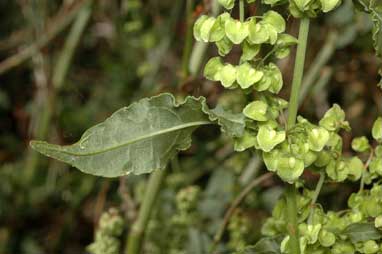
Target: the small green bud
pixel 334 119
pixel 360 144
pixel 256 110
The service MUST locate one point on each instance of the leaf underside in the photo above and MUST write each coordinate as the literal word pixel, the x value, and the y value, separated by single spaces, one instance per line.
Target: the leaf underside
pixel 140 138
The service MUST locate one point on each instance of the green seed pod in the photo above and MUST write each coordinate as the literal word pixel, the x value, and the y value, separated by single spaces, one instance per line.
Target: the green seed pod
pixel 317 138
pixel 342 248
pixel 212 69
pixel 360 144
pixel 246 75
pixel 236 30
pixel 224 46
pixel 256 110
pixel 328 5
pixel 274 19
pixel 248 140
pixel 377 129
pixel 198 25
pixel 370 247
pixel 326 238
pixel 249 51
pixel 227 75
pixel 268 138
pixel 228 4
pixel 378 221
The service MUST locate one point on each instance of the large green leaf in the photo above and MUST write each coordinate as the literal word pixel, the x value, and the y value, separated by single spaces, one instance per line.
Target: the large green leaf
pixel 361 232
pixel 142 137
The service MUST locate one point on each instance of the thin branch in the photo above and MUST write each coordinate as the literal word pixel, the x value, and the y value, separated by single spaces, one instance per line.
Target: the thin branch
pixel 235 204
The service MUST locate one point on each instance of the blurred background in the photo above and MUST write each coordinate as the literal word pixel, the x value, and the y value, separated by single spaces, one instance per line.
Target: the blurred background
pixel 66 65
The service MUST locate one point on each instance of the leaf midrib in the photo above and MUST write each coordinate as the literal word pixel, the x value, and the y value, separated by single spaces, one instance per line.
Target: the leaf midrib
pixel 132 141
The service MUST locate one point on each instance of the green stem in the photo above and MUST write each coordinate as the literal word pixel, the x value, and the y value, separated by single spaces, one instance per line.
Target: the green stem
pixel 135 237
pixel 298 71
pixel 188 40
pixel 315 196
pixel 291 191
pixel 241 10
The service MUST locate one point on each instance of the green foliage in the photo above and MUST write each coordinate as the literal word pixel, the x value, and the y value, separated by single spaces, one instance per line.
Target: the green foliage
pixel 137 143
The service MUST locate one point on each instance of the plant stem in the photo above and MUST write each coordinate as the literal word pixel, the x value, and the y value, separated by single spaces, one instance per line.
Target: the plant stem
pixel 255 182
pixel 188 40
pixel 362 184
pixel 315 195
pixel 135 236
pixel 241 10
pixel 298 71
pixel 291 191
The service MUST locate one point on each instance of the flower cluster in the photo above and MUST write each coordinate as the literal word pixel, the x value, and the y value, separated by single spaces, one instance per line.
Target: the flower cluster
pixel 356 230
pixel 110 227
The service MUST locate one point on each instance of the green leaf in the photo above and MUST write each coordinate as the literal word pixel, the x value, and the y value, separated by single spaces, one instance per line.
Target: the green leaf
pixel 256 110
pixel 228 75
pixel 236 30
pixel 377 129
pixel 140 138
pixel 212 69
pixel 275 20
pixel 246 76
pixel 232 124
pixel 361 232
pixel 268 138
